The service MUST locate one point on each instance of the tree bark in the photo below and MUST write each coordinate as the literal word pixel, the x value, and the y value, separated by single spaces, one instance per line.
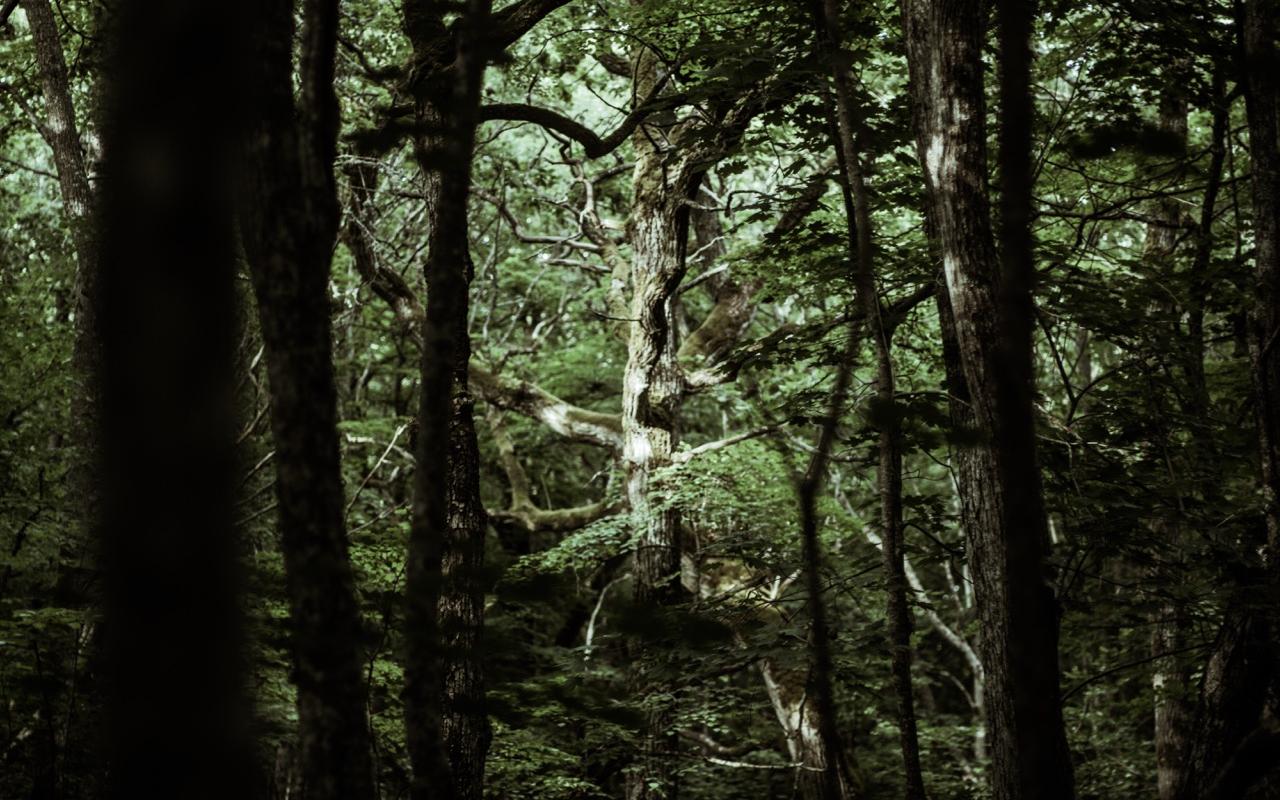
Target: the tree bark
pixel 445 718
pixel 178 718
pixel 1171 672
pixel 652 390
pixel 808 749
pixel 289 225
pixel 889 469
pixel 1237 680
pixel 1261 105
pixel 61 133
pixel 992 311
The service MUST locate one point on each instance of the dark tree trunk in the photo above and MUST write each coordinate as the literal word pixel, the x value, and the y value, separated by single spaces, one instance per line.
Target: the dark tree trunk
pixel 289 224
pixel 178 722
pixel 1261 88
pixel 889 470
pixel 1171 671
pixel 992 309
pixel 446 723
pixel 1242 666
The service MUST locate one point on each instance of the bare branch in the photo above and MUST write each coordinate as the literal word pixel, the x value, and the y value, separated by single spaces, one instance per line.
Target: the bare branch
pixel 362 175
pixel 529 238
pixel 522 511
pixel 685 456
pixel 566 419
pixel 592 143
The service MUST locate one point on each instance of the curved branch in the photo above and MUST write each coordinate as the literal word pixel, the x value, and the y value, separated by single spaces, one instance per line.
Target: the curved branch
pixel 511 22
pixel 522 512
pixel 592 143
pixel 685 456
pixel 566 419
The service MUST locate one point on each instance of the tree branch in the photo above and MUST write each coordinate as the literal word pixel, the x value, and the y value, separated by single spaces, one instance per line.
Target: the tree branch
pixel 356 234
pixel 592 143
pixel 522 511
pixel 685 456
pixel 732 312
pixel 566 419
pixel 507 25
pixel 529 238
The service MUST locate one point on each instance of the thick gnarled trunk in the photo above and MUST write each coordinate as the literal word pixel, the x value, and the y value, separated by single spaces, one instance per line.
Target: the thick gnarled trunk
pixel 652 390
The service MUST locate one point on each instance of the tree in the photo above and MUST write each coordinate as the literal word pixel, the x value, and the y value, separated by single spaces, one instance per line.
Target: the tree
pixel 164 305
pixel 990 297
pixel 1233 744
pixel 444 692
pixel 889 468
pixel 289 224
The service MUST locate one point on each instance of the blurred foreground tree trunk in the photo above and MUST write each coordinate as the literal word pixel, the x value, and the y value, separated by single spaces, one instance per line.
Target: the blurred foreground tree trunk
pixel 178 722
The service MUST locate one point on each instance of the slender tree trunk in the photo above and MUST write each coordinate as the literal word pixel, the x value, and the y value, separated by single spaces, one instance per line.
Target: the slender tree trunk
pixel 178 720
pixel 1171 672
pixel 289 224
pixel 1261 87
pixel 60 132
pixel 1237 680
pixel 446 723
pixel 966 466
pixel 889 470
pixel 992 311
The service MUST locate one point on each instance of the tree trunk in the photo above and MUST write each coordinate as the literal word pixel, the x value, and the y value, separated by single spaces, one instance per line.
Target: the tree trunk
pixel 966 466
pixel 652 390
pixel 289 226
pixel 1242 666
pixel 797 714
pixel 166 314
pixel 1261 89
pixel 889 469
pixel 992 312
pixel 445 718
pixel 60 132
pixel 1170 672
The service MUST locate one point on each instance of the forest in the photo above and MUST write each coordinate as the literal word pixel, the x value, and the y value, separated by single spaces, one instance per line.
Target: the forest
pixel 640 399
